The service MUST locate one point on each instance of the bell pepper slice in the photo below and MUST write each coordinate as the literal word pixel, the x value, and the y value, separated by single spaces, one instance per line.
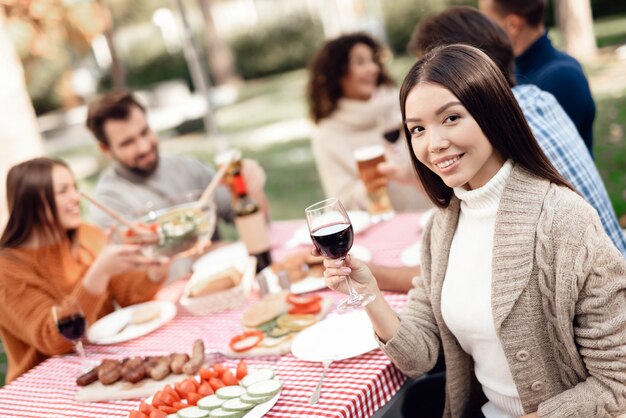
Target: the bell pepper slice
pixel 299 300
pixel 246 341
pixel 311 308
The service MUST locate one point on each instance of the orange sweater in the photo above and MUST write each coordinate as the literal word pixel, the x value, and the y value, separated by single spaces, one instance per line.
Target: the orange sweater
pixel 33 280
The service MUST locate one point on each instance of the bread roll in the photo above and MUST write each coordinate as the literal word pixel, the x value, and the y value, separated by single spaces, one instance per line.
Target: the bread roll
pixel 222 280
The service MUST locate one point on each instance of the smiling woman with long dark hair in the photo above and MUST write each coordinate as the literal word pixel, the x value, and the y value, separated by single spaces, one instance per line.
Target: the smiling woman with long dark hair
pixel 521 287
pixel 48 254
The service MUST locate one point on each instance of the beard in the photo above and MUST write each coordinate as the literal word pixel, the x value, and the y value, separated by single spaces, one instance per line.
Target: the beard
pixel 145 171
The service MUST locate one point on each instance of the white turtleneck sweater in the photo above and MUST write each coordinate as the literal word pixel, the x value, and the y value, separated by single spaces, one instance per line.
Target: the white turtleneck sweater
pixel 354 124
pixel 466 295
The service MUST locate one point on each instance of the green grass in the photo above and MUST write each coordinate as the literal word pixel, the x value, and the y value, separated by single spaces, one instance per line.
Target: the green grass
pixel 610 148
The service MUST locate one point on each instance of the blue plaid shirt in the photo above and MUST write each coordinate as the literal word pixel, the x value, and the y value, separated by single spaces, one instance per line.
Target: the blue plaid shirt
pixel 566 150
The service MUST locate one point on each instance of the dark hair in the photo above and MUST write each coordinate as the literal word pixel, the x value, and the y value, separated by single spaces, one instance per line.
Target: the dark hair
pixel 112 105
pixel 476 81
pixel 329 65
pixel 30 197
pixel 531 10
pixel 465 25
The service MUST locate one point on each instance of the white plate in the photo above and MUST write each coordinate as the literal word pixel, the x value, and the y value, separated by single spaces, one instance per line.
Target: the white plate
pixel 336 338
pixel 230 254
pixel 412 255
pixel 103 330
pixel 313 283
pixel 360 222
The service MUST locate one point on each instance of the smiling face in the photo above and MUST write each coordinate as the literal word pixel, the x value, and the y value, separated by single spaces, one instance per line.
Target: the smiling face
pixel 132 143
pixel 66 197
pixel 361 77
pixel 447 139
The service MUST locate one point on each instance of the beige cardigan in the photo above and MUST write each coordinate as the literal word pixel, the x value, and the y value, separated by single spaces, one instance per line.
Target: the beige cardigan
pixel 558 300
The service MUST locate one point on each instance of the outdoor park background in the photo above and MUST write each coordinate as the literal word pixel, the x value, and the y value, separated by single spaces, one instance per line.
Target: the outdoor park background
pixel 259 105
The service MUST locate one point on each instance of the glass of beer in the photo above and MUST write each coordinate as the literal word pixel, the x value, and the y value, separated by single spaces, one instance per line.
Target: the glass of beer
pixel 367 158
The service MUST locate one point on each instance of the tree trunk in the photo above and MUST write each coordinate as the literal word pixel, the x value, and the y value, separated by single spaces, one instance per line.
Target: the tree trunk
pixel 219 56
pixel 576 23
pixel 118 74
pixel 19 133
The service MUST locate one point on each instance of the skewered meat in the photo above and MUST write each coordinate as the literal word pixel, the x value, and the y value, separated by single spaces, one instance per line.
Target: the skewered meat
pixel 197 358
pixel 110 371
pixel 178 361
pixel 133 370
pixel 158 367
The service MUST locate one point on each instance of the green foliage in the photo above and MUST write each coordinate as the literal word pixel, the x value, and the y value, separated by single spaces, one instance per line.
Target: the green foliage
pixel 402 16
pixel 283 46
pixel 610 147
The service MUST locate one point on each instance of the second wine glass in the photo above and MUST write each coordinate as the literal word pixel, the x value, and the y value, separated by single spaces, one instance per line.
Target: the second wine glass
pixel 332 233
pixel 70 321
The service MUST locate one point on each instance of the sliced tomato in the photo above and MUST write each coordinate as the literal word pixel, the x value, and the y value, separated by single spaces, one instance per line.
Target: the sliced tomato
pixel 311 308
pixel 192 381
pixel 146 408
pixel 168 399
pixel 157 414
pixel 180 405
pixel 170 390
pixel 229 378
pixel 206 374
pixel 137 414
pixel 242 370
pixel 219 369
pixel 193 398
pixel 205 389
pixel 179 389
pixel 156 399
pixel 168 409
pixel 186 386
pixel 246 340
pixel 303 299
pixel 216 383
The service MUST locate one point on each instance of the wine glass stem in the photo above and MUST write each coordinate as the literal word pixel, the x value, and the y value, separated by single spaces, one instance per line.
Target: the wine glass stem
pixel 81 352
pixel 352 294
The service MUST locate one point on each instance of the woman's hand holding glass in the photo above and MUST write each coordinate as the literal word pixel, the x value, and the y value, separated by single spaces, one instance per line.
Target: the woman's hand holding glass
pixel 338 269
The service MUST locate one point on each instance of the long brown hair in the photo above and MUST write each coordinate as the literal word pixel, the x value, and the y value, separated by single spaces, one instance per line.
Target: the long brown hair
pixel 32 208
pixel 330 65
pixel 480 86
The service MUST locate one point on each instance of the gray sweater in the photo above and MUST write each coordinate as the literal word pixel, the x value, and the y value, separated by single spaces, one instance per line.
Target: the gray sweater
pixel 134 195
pixel 558 301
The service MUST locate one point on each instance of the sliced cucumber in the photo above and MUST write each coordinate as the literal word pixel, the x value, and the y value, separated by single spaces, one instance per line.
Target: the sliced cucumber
pixel 257 376
pixel 254 400
pixel 264 388
pixel 230 392
pixel 172 416
pixel 236 404
pixel 221 413
pixel 210 402
pixel 193 412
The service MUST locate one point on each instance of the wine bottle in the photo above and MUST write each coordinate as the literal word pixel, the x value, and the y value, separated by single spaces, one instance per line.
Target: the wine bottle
pixel 250 221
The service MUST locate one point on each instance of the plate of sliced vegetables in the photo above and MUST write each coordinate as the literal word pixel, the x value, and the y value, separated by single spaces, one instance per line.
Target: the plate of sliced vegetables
pixel 216 392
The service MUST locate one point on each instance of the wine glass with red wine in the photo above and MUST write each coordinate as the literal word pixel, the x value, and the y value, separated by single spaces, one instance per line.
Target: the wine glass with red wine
pixel 332 233
pixel 70 321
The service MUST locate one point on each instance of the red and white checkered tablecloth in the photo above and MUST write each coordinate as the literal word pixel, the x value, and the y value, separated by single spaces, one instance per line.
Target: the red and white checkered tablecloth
pixel 355 387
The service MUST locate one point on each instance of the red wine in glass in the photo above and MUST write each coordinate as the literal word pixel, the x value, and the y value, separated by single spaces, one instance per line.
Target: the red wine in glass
pixel 333 240
pixel 332 233
pixel 72 327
